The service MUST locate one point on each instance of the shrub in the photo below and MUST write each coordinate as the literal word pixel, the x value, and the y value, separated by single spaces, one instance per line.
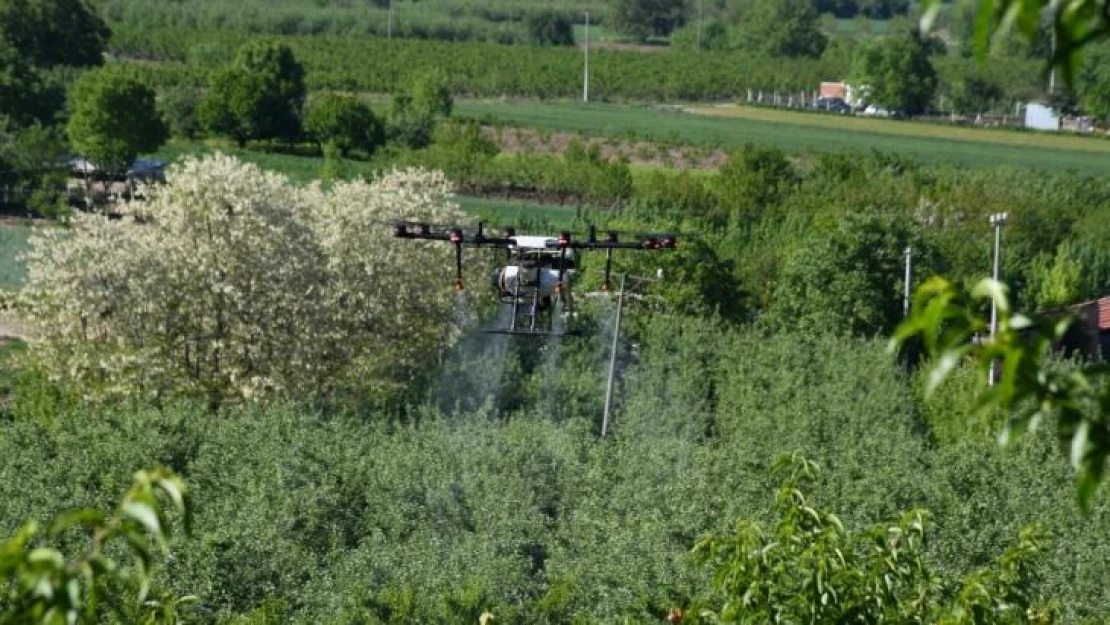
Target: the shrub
pixel 549 28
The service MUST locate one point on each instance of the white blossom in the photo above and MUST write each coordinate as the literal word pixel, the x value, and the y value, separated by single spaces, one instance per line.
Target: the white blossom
pixel 230 283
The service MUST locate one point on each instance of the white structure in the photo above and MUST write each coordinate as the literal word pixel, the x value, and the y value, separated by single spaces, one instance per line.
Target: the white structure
pixel 1041 117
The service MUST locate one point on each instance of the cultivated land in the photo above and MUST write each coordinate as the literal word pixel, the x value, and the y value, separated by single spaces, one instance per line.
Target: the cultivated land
pixel 13 242
pixel 733 126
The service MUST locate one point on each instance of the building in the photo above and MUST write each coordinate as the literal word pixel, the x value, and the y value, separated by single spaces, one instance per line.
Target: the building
pixel 1041 117
pixel 1090 335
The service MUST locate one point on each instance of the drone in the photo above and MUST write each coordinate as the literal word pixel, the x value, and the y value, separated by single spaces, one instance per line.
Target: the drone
pixel 534 278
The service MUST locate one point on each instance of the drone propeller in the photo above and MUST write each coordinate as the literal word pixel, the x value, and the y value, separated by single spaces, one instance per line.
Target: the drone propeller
pixel 609 241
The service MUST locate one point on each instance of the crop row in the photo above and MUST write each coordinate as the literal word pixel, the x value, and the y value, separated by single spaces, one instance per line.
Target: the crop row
pixel 482 69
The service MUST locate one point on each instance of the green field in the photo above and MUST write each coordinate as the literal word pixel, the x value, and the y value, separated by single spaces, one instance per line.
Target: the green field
pixel 13 242
pixel 302 169
pixel 800 132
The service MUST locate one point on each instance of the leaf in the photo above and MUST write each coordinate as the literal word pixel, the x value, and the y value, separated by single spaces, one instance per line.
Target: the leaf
pixel 44 555
pixel 1079 443
pixel 66 520
pixel 145 515
pixel 944 366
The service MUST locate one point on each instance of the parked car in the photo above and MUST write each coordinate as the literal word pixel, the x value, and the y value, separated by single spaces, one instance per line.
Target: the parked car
pixel 876 111
pixel 836 105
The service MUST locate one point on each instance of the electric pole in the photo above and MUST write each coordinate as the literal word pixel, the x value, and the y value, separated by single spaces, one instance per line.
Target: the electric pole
pixel 997 220
pixel 586 63
pixel 906 289
pixel 389 26
pixel 700 4
pixel 613 361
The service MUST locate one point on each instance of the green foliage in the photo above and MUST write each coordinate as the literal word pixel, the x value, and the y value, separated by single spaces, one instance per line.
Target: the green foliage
pixel 809 567
pixel 646 18
pixel 407 124
pixel 258 96
pixel 178 106
pixel 1093 82
pixel 344 122
pixel 1029 390
pixel 24 96
pixel 751 182
pixel 849 279
pixel 710 35
pixel 778 28
pixel 549 28
pixel 975 94
pixel 1074 25
pixel 43 585
pixel 898 72
pixel 114 119
pixel 54 32
pixel 31 163
pixel 1055 280
pixel 432 95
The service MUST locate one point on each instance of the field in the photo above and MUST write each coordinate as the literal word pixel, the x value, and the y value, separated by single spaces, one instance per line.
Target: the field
pixel 801 132
pixel 13 241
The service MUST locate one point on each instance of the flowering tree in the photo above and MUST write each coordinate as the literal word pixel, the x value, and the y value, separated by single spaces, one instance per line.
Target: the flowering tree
pixel 229 283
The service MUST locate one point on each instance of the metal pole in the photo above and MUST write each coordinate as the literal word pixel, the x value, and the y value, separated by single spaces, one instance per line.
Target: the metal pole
pixel 997 220
pixel 613 362
pixel 906 295
pixel 586 63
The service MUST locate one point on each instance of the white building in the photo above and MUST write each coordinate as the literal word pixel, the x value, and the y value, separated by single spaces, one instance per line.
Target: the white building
pixel 1041 117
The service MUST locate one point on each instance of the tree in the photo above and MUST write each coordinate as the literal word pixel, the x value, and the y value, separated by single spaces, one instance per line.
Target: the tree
pixel 713 35
pixel 898 72
pixel 24 97
pixel 114 119
pixel 783 28
pixel 54 32
pixel 344 122
pixel 179 110
pixel 848 280
pixel 431 94
pixel 239 286
pixel 752 180
pixel 260 95
pixel 1093 82
pixel 412 116
pixel 32 159
pixel 647 18
pixel 975 94
pixel 549 28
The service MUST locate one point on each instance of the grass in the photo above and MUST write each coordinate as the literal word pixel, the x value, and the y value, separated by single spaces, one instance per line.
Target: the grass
pixel 302 169
pixel 803 132
pixel 13 242
pixel 524 214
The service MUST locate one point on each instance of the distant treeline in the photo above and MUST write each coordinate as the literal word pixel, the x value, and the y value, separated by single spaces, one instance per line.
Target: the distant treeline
pixel 500 21
pixel 491 70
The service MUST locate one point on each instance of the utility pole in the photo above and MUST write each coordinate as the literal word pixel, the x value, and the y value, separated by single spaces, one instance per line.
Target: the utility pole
pixel 700 4
pixel 613 361
pixel 906 290
pixel 586 63
pixel 389 24
pixel 997 220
